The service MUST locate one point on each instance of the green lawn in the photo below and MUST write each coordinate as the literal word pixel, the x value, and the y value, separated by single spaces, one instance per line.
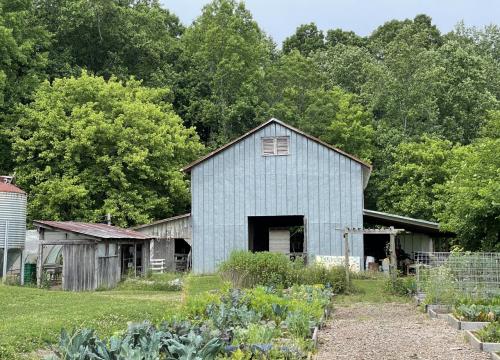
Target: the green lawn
pixel 32 318
pixel 369 291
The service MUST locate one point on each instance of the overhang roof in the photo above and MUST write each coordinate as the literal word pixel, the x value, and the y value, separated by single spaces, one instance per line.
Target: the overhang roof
pixel 273 120
pixel 100 231
pixel 173 218
pixel 407 223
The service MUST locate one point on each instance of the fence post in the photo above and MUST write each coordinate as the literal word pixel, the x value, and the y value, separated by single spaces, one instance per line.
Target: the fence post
pixel 346 259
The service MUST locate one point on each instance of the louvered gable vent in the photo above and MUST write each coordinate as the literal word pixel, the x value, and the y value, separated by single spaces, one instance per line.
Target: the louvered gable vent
pixel 275 145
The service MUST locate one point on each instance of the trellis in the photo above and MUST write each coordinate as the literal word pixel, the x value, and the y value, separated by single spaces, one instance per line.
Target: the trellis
pixel 473 274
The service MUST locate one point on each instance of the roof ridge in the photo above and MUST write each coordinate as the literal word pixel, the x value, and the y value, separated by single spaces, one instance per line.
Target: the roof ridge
pixel 188 167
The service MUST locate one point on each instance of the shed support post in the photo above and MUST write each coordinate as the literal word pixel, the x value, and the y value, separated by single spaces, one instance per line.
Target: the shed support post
pixel 5 251
pixel 39 260
pixel 394 258
pixel 346 258
pixel 22 268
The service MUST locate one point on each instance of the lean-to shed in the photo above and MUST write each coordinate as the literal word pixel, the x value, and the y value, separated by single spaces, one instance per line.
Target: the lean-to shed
pixel 93 255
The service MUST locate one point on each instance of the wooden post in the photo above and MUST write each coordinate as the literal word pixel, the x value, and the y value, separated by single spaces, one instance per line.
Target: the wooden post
pixel 39 265
pixel 394 258
pixel 5 251
pixel 135 259
pixel 22 268
pixel 346 259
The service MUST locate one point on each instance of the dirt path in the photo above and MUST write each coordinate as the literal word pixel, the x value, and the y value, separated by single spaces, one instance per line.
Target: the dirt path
pixel 391 331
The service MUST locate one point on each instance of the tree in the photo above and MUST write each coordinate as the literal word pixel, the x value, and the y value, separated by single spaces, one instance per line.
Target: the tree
pixel 226 55
pixel 469 201
pixel 338 118
pixel 87 146
pixel 24 45
pixel 307 39
pixel 408 182
pixel 340 37
pixel 112 38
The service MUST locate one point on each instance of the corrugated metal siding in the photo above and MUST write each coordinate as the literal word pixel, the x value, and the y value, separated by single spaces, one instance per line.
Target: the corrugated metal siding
pixel 13 209
pixel 321 184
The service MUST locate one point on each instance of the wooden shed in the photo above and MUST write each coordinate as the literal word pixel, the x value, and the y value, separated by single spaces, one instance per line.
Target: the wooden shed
pixel 171 247
pixel 93 255
pixel 271 179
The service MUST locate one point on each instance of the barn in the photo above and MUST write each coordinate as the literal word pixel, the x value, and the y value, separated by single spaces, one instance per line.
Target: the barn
pixel 92 256
pixel 279 189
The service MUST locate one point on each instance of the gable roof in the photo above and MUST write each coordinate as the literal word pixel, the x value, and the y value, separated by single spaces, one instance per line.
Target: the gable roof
pixel 270 121
pixel 100 231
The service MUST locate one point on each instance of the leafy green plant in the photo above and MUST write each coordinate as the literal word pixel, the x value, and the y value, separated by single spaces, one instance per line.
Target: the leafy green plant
pixel 299 324
pixel 477 312
pixel 490 333
pixel 402 286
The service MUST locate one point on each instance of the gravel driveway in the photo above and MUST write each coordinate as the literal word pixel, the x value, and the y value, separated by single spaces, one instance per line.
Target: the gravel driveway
pixel 391 331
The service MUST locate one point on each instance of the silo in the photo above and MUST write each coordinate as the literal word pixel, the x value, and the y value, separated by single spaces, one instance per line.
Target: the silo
pixel 12 224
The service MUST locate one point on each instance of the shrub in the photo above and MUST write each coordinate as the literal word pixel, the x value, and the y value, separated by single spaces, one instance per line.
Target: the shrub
pixel 490 333
pixel 440 287
pixel 246 269
pixel 401 286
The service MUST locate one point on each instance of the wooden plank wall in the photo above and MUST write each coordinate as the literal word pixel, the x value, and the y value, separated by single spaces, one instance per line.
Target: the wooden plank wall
pixel 319 183
pixel 108 273
pixel 79 267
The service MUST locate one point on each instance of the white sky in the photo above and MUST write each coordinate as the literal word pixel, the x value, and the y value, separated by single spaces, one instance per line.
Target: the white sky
pixel 279 18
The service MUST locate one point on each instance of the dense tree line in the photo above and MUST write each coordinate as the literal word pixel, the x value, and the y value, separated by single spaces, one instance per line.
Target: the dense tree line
pixel 87 87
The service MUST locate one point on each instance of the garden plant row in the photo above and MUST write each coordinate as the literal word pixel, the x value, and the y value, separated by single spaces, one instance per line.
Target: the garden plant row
pixel 258 323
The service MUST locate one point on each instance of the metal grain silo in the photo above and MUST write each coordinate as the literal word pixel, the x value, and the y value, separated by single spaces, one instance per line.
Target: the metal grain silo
pixel 12 224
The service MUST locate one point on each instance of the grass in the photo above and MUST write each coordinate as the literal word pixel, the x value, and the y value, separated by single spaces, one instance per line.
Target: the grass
pixel 33 318
pixel 368 291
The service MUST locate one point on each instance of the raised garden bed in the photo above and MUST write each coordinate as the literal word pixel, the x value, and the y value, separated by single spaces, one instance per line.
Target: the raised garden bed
pixel 438 311
pixel 480 345
pixel 465 325
pixel 495 356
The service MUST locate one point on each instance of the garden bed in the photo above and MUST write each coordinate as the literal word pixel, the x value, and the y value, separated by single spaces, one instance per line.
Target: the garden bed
pixel 465 325
pixel 480 345
pixel 438 311
pixel 259 322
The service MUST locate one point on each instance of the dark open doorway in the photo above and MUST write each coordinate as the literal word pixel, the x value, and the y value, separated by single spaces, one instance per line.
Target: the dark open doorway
pixel 283 234
pixel 131 259
pixel 376 246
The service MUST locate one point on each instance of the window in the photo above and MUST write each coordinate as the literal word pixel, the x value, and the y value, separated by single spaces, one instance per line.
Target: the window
pixel 275 145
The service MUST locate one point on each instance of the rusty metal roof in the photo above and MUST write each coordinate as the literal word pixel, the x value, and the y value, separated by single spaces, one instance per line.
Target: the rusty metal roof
pixel 6 187
pixel 101 231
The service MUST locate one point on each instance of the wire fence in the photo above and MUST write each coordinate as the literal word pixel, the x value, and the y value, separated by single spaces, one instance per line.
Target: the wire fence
pixel 444 276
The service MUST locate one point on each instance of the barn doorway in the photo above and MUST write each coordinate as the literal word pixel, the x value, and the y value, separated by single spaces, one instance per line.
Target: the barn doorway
pixel 283 234
pixel 131 259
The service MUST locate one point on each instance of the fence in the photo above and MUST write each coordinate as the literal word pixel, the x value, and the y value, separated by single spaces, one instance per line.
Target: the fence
pixel 444 275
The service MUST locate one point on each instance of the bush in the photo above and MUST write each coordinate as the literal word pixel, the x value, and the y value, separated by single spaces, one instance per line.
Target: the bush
pixel 490 333
pixel 247 269
pixel 401 286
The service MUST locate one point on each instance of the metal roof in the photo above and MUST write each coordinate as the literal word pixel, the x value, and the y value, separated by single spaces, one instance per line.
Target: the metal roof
pixel 173 218
pixel 9 188
pixel 407 222
pixel 101 231
pixel 196 162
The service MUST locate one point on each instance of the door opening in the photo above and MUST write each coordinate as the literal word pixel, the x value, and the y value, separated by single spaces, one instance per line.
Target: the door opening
pixel 284 234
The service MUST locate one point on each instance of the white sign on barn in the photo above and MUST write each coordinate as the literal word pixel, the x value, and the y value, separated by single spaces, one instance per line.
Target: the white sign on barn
pixel 331 261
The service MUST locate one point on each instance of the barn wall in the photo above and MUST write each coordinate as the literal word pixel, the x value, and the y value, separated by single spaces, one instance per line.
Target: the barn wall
pixel 238 182
pixel 79 267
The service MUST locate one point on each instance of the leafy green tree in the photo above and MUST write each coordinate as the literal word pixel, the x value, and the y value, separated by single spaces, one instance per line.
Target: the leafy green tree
pixel 469 202
pixel 340 119
pixel 307 39
pixel 416 167
pixel 112 38
pixel 340 37
pixel 23 58
pixel 87 146
pixel 226 55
